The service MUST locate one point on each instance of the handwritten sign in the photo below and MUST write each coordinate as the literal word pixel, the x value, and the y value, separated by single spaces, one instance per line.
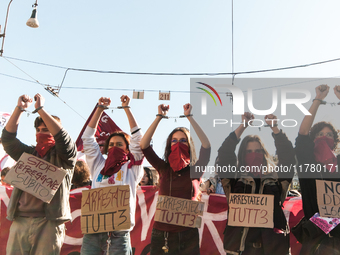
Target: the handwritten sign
pixel 138 95
pixel 328 198
pixel 105 209
pixel 164 96
pixel 179 211
pixel 251 210
pixel 36 176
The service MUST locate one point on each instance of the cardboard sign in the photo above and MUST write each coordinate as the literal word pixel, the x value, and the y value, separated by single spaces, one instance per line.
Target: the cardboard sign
pixel 179 211
pixel 105 209
pixel 138 95
pixel 164 95
pixel 328 198
pixel 251 210
pixel 36 176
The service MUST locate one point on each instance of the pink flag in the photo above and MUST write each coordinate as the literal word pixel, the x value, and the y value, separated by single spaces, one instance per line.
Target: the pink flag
pixel 105 127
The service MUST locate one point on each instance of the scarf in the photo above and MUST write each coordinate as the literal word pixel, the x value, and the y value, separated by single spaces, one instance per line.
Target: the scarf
pixel 255 159
pixel 116 158
pixel 44 143
pixel 323 152
pixel 179 157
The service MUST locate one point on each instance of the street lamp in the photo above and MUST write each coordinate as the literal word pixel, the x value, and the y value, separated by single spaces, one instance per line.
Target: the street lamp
pixel 4 33
pixel 31 22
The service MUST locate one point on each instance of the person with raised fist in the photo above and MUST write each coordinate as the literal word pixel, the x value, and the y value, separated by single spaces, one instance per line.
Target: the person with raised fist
pixel 38 227
pixel 122 166
pixel 317 160
pixel 257 173
pixel 175 181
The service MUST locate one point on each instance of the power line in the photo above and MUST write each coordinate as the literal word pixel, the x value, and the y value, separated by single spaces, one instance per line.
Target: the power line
pixel 173 74
pixel 24 72
pixel 179 74
pixel 46 87
pixel 18 78
pixel 172 91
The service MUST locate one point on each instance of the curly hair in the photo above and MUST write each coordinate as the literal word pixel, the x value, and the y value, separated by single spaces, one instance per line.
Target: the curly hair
pixel 5 171
pixel 317 127
pixel 81 174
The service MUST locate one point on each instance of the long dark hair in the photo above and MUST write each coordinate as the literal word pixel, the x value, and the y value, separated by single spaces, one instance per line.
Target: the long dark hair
pixel 150 176
pixel 190 142
pixel 243 147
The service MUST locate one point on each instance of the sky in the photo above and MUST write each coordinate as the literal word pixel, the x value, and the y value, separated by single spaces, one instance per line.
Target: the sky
pixel 163 37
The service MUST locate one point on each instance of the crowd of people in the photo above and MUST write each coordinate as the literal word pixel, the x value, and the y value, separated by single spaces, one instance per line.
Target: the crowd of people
pixel 38 227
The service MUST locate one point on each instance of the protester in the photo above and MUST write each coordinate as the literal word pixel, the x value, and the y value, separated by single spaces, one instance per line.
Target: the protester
pixel 81 176
pixel 123 166
pixel 3 174
pixel 253 240
pixel 38 227
pixel 174 172
pixel 147 177
pixel 315 149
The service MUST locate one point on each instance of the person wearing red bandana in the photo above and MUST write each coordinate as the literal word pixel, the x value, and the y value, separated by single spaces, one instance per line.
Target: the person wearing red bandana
pixel 253 176
pixel 122 166
pixel 315 147
pixel 175 180
pixel 38 227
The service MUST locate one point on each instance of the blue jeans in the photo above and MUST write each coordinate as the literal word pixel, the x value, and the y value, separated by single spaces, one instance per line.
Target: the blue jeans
pixel 94 244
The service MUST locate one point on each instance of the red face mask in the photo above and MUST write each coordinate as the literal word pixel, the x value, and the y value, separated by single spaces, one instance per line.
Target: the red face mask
pixel 116 158
pixel 255 159
pixel 44 143
pixel 323 152
pixel 179 157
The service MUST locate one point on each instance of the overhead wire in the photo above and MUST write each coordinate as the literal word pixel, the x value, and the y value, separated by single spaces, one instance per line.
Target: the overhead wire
pixel 175 91
pixel 179 74
pixel 152 73
pixel 44 86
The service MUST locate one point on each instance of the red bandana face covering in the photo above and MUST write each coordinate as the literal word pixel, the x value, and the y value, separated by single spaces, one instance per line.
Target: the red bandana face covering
pixel 44 143
pixel 323 152
pixel 255 159
pixel 179 157
pixel 116 158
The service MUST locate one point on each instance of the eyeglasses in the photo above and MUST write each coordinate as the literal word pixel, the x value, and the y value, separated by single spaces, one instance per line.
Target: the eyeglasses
pixel 182 140
pixel 328 134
